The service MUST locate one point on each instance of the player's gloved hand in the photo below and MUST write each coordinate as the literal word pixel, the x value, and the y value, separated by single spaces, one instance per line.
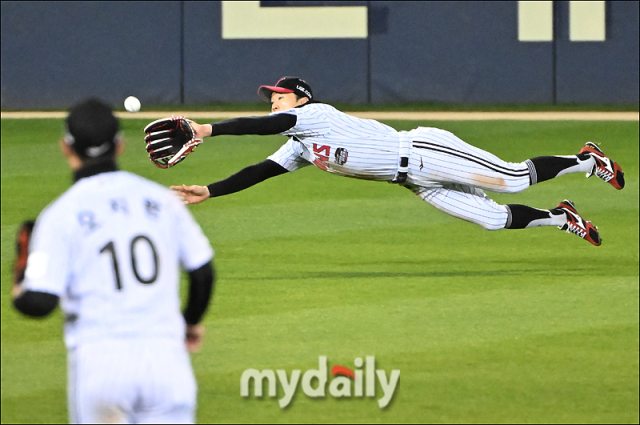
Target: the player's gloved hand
pixel 170 140
pixel 22 253
pixel 192 194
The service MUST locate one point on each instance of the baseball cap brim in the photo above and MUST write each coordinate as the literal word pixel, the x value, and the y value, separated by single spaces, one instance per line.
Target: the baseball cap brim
pixel 264 92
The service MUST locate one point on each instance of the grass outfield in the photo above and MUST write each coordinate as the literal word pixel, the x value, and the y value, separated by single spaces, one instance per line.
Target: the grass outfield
pixel 512 326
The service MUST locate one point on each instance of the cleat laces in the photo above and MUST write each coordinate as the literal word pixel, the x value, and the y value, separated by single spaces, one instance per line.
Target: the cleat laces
pixel 604 174
pixel 577 225
pixel 574 228
pixel 603 167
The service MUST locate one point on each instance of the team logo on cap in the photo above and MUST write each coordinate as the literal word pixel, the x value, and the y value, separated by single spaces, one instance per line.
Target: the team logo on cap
pixel 303 90
pixel 95 151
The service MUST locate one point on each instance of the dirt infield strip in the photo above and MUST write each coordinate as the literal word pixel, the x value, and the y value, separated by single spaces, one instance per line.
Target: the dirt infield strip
pixel 424 116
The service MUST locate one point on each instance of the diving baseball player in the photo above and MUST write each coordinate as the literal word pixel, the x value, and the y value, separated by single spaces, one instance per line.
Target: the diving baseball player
pixel 434 164
pixel 110 250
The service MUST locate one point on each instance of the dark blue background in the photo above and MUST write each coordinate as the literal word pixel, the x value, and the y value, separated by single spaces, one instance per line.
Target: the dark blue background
pixel 56 53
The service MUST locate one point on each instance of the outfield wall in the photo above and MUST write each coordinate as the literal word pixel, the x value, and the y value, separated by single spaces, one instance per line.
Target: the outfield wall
pixel 55 53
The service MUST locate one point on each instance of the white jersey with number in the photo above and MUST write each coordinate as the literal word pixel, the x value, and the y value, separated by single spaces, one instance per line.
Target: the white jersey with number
pixel 339 143
pixel 111 248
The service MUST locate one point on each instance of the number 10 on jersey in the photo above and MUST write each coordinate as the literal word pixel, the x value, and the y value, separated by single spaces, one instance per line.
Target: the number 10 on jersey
pixel 110 249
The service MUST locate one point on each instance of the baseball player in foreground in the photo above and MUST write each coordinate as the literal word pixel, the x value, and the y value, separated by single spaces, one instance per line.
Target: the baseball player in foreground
pixel 110 250
pixel 434 164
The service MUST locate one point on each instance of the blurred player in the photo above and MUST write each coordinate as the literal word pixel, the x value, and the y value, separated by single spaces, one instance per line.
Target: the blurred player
pixel 110 249
pixel 436 165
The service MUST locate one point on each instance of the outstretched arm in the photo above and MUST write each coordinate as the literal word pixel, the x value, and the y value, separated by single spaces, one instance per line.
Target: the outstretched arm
pixel 269 124
pixel 243 179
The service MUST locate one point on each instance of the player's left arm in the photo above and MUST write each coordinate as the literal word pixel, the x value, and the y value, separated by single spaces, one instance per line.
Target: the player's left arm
pixel 196 257
pixel 266 125
pixel 201 284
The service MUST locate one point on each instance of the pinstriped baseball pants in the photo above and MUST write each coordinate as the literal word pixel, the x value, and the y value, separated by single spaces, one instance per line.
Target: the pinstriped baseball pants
pixel 451 174
pixel 131 380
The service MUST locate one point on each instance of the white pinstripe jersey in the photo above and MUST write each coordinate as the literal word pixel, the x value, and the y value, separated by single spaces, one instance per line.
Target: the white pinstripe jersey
pixel 111 248
pixel 339 143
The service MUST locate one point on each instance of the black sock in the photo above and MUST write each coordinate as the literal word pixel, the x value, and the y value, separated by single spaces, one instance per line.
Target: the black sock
pixel 548 167
pixel 523 216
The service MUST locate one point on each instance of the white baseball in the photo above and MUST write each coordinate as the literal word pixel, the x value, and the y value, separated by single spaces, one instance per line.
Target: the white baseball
pixel 132 104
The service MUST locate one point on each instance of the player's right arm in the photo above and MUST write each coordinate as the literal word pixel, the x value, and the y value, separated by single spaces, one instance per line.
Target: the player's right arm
pixel 35 303
pixel 241 180
pixel 37 291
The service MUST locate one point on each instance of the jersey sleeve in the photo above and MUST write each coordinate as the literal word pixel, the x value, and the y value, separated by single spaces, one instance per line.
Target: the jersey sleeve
pixel 293 155
pixel 195 249
pixel 310 122
pixel 48 263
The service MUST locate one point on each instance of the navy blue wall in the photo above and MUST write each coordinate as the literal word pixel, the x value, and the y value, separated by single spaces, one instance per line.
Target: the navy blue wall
pixel 458 52
pixel 219 70
pixel 55 53
pixel 600 72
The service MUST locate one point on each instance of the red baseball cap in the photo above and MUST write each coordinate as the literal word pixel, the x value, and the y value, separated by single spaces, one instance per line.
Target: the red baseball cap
pixel 286 85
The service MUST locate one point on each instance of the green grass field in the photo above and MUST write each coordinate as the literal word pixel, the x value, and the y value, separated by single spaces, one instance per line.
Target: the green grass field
pixel 528 326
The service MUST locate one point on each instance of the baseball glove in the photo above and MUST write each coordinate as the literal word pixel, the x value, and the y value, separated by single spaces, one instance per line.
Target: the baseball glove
pixel 170 140
pixel 22 251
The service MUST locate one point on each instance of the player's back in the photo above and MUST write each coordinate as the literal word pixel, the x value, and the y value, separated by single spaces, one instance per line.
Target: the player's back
pixel 126 238
pixel 320 118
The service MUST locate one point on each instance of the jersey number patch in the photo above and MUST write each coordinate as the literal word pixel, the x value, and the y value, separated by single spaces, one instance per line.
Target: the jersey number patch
pixel 111 248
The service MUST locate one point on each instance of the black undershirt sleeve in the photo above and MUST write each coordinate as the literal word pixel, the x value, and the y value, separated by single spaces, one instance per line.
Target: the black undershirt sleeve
pixel 36 304
pixel 254 174
pixel 269 124
pixel 246 177
pixel 201 282
pixel 39 304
